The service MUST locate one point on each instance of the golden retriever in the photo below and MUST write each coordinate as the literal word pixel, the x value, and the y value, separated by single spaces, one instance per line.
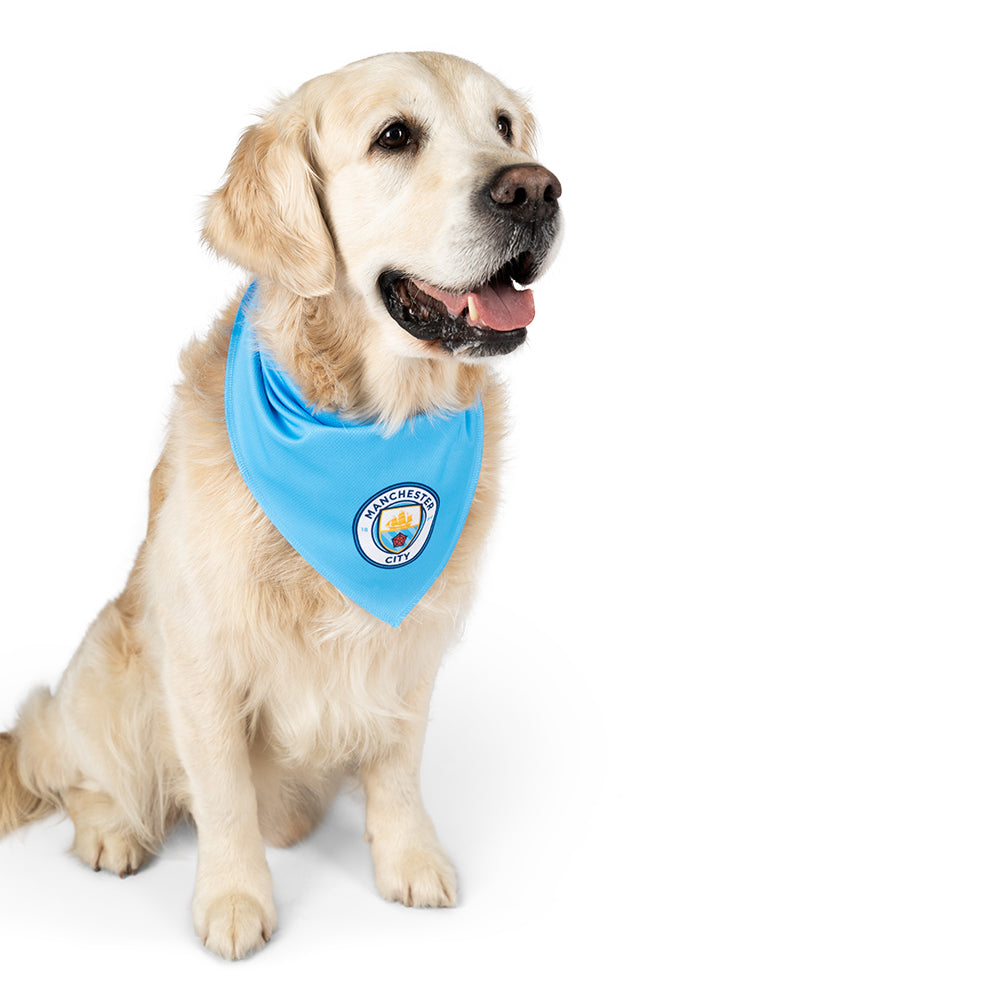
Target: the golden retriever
pixel 390 214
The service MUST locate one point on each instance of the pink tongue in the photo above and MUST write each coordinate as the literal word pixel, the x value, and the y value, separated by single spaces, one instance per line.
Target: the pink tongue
pixel 504 307
pixel 500 307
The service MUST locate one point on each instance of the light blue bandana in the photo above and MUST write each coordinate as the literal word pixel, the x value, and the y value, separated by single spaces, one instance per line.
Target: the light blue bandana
pixel 377 516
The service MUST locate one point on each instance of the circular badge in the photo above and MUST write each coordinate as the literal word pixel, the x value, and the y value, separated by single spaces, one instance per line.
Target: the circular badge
pixel 392 527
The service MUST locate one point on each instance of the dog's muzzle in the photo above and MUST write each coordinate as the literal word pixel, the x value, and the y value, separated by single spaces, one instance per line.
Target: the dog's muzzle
pixel 517 213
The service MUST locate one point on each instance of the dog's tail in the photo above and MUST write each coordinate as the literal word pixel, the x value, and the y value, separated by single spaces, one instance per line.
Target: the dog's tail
pixel 18 803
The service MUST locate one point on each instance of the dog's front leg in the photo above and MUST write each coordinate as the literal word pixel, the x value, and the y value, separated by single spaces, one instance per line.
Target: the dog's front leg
pixel 233 905
pixel 411 867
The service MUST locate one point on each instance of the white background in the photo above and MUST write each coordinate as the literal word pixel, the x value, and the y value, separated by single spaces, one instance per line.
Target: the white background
pixel 723 724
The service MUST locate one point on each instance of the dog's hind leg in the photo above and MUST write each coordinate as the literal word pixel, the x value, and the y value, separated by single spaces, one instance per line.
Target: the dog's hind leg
pixel 47 773
pixel 95 748
pixel 104 837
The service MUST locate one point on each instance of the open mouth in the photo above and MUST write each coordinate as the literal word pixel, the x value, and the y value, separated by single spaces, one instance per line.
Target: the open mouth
pixel 485 321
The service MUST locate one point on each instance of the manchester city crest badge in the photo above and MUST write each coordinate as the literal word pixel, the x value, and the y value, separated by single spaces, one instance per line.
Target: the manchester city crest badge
pixel 392 527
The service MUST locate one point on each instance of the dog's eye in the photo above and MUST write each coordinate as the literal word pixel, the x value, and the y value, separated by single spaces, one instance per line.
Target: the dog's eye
pixel 394 136
pixel 505 128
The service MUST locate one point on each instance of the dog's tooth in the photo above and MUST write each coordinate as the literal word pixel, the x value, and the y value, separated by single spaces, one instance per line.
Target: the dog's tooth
pixel 473 311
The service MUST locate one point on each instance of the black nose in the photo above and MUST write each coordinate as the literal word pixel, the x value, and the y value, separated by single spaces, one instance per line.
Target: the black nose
pixel 527 192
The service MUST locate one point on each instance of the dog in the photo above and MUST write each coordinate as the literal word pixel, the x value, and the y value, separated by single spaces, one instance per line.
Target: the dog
pixel 284 620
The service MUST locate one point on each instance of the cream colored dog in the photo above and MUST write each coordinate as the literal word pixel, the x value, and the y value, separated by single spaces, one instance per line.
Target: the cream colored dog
pixel 386 212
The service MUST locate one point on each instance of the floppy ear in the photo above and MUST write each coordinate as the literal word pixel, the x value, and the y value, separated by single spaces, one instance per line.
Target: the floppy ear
pixel 266 216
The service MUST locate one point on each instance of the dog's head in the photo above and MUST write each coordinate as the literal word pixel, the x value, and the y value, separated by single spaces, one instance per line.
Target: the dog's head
pixel 408 180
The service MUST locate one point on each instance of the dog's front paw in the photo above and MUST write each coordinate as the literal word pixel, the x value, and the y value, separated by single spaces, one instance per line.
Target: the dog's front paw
pixel 235 924
pixel 418 875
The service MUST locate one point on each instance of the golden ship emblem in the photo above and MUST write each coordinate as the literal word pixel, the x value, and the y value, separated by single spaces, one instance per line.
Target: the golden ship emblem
pixel 400 522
